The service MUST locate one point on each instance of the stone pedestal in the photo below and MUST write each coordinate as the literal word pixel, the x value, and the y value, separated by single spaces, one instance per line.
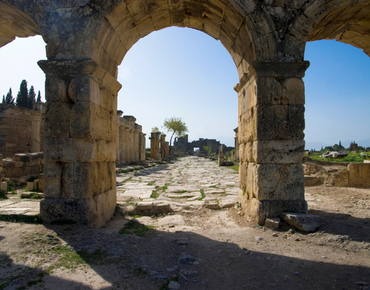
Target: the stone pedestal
pixel 271 146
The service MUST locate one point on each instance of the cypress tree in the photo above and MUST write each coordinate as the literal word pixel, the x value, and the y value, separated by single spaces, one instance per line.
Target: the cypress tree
pixel 31 97
pixel 9 98
pixel 38 97
pixel 22 96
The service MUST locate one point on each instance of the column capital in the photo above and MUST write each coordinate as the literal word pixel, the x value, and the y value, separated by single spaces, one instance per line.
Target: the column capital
pixel 279 69
pixel 71 69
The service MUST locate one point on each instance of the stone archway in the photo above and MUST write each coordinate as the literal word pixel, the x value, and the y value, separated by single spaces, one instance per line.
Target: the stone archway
pixel 87 40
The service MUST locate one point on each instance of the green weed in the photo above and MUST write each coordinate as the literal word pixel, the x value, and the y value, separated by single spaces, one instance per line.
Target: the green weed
pixel 134 227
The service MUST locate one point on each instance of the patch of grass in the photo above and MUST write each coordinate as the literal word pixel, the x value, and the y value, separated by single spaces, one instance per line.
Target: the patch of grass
pixel 134 227
pixel 95 258
pixel 181 191
pixel 155 194
pixel 34 195
pixel 151 183
pixel 239 205
pixel 17 218
pixel 244 191
pixel 11 186
pixel 67 258
pixel 214 186
pixel 203 194
pixel 164 188
pixel 127 179
pixel 351 157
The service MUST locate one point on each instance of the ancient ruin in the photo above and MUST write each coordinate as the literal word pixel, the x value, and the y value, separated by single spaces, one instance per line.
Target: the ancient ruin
pixel 183 147
pixel 21 129
pixel 88 39
pixel 130 140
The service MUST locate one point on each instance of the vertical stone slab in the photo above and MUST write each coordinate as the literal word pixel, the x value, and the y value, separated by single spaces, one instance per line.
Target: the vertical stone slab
pixel 80 143
pixel 271 139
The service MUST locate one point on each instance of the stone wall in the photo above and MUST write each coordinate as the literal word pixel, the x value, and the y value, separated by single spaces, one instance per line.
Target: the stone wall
pixel 130 144
pixel 21 129
pixel 354 175
pixel 22 166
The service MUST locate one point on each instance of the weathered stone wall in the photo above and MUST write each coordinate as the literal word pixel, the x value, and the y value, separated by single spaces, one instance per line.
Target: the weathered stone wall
pixel 155 150
pixel 23 165
pixel 21 129
pixel 130 140
pixel 354 174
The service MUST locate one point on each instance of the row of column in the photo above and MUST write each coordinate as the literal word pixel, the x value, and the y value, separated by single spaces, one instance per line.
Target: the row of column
pixel 159 148
pixel 130 140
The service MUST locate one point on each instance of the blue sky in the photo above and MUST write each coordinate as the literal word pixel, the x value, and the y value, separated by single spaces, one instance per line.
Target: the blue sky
pixel 185 73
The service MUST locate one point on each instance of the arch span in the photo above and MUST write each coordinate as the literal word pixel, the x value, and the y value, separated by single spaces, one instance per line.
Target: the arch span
pixel 87 39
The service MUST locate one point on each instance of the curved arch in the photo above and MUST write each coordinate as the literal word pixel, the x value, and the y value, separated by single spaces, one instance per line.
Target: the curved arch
pixel 347 21
pixel 15 23
pixel 245 32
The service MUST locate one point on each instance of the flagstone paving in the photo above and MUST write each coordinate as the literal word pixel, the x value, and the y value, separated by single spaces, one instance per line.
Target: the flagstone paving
pixel 186 184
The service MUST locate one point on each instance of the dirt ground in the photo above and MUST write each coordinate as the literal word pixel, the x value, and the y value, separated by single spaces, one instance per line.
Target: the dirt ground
pixel 203 249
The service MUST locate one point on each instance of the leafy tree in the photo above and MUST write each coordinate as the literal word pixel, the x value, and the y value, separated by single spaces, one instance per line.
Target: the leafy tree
pixel 176 126
pixel 22 96
pixel 155 129
pixel 31 97
pixel 9 98
pixel 38 97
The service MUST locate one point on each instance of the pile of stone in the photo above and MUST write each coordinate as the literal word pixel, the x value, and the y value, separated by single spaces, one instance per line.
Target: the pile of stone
pixel 334 154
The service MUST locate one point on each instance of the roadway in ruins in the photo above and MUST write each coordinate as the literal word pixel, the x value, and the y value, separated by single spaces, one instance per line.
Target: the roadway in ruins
pixel 191 235
pixel 188 184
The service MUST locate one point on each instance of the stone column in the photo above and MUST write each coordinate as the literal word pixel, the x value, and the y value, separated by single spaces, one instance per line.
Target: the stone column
pixel 142 146
pixel 154 146
pixel 80 142
pixel 136 146
pixel 236 153
pixel 163 146
pixel 121 143
pixel 271 140
pixel 125 144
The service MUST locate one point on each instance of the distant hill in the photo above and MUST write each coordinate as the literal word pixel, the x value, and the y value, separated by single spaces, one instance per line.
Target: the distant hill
pixel 317 145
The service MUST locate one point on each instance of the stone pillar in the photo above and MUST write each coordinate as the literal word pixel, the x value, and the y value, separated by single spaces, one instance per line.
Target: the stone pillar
pixel 271 140
pixel 163 146
pixel 125 145
pixel 154 146
pixel 142 146
pixel 80 142
pixel 236 153
pixel 135 147
pixel 121 144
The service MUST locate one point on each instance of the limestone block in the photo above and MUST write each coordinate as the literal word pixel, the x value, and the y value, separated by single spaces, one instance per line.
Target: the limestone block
pixel 25 158
pixel 84 89
pixel 53 179
pixel 277 151
pixel 303 222
pixel 276 181
pixel 30 186
pixel 272 223
pixel 41 182
pixel 55 89
pixel 313 180
pixel 339 178
pixel 4 186
pixel 80 180
pixel 1 160
pixel 79 150
pixel 93 212
pixel 57 120
pixel 359 174
pixel 18 164
pixel 311 168
pixel 258 211
pixel 280 122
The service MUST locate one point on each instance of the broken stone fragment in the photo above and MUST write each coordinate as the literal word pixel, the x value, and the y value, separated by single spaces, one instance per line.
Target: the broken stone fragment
pixel 303 222
pixel 272 223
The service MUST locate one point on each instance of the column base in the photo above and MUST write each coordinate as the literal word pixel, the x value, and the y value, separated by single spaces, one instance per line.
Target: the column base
pixel 258 210
pixel 94 212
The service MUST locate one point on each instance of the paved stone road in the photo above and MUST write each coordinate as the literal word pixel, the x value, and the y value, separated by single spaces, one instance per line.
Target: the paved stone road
pixel 188 184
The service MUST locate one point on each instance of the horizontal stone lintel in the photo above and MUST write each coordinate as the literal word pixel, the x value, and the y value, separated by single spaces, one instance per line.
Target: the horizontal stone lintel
pixel 279 69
